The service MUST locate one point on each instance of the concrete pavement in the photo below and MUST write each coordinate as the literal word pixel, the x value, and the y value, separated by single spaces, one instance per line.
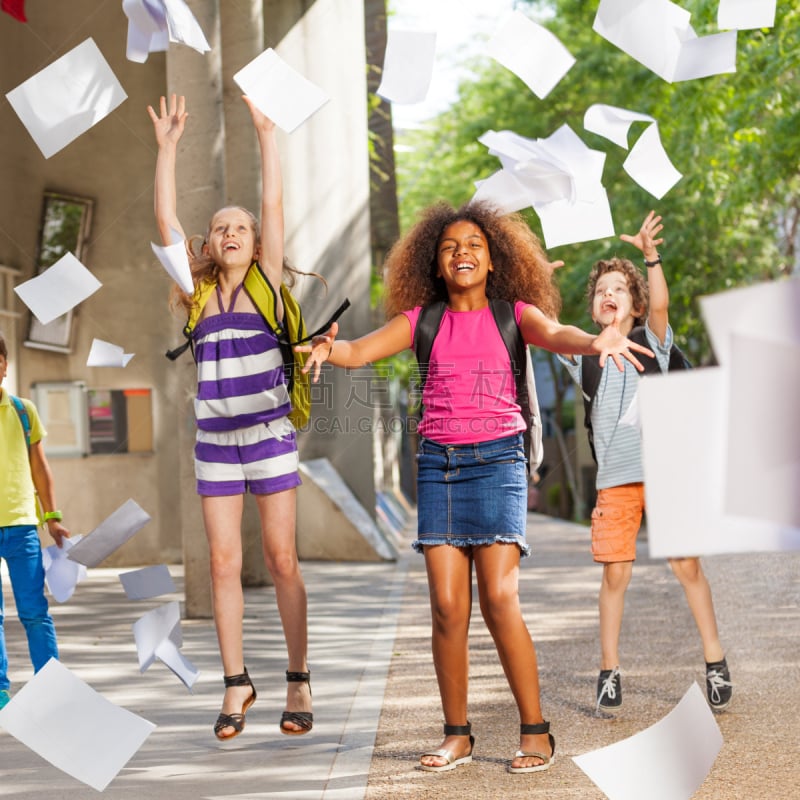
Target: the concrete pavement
pixel 376 703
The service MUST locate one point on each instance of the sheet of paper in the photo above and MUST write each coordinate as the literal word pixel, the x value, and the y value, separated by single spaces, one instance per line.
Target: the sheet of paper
pixel 684 450
pixel 183 27
pixel 657 34
pixel 279 91
pixel 73 727
pixel 649 165
pixel 531 52
pixel 504 191
pixel 407 66
pixel 175 261
pixel 583 221
pixel 171 656
pixel 667 761
pixel 60 574
pixel 67 97
pixel 746 14
pixel 763 464
pixel 612 123
pixel 105 354
pixel 766 310
pixel 58 289
pixel 142 584
pixel 152 628
pixel 110 534
pixel 147 29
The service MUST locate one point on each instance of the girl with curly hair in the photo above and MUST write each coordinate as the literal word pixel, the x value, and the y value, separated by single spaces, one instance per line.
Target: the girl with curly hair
pixel 471 478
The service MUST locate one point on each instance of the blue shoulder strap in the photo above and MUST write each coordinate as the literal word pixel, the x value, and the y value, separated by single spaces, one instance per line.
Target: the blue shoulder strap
pixel 24 419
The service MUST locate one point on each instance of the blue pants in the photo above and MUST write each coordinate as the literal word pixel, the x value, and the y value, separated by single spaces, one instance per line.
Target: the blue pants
pixel 19 546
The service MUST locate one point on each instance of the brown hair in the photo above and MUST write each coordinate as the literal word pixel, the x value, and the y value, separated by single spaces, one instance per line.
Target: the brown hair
pixel 3 348
pixel 521 270
pixel 636 284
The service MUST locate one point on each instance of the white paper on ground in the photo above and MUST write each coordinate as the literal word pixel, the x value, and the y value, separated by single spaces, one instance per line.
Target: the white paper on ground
pixel 60 573
pixel 61 287
pixel 105 354
pixel 407 66
pixel 110 534
pixel 667 761
pixel 531 52
pixel 66 98
pixel 746 14
pixel 684 450
pixel 70 725
pixel 142 584
pixel 279 91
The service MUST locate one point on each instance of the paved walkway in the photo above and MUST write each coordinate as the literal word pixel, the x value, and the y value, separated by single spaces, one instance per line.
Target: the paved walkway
pixel 376 703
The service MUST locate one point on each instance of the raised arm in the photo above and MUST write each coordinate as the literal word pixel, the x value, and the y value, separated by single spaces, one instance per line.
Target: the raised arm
pixel 658 291
pixel 168 125
pixel 272 224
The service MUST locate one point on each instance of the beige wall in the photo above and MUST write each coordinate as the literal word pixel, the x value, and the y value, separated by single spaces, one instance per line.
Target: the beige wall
pixel 327 184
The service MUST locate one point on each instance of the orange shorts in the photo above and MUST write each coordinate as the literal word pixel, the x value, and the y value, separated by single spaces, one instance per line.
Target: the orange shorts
pixel 616 520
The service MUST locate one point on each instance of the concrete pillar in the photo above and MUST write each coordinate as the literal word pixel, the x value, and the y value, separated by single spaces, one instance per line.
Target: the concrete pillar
pixel 201 190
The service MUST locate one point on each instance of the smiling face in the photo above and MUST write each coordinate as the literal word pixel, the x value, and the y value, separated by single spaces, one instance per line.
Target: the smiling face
pixel 463 259
pixel 612 298
pixel 231 239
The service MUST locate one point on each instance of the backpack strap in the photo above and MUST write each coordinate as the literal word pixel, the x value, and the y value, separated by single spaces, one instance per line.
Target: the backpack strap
pixel 428 323
pixel 24 419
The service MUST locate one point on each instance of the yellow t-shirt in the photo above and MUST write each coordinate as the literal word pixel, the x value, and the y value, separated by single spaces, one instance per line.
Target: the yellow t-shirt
pixel 17 496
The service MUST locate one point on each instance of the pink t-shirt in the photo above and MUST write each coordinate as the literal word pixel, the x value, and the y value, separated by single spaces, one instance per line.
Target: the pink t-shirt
pixel 470 392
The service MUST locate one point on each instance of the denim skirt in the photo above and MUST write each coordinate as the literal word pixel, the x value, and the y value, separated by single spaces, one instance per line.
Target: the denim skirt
pixel 472 494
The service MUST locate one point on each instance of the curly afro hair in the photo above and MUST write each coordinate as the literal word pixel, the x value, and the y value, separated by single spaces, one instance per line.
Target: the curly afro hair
pixel 521 270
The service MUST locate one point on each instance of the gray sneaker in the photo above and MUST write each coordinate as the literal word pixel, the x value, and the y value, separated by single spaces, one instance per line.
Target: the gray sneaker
pixel 609 690
pixel 718 685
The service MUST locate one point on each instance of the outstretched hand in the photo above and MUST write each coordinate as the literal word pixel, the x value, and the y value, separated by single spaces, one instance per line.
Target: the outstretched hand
pixel 319 349
pixel 169 123
pixel 611 342
pixel 645 240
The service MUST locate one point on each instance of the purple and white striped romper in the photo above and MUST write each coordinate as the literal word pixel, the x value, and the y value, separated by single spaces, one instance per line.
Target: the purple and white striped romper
pixel 244 437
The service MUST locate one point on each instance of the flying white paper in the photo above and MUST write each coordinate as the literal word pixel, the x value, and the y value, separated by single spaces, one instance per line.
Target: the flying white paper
pixel 407 66
pixel 504 191
pixel 158 635
pixel 67 97
pixel 279 91
pixel 147 29
pixel 612 123
pixel 531 52
pixel 175 261
pixel 667 761
pixel 142 584
pixel 60 574
pixel 685 443
pixel 59 288
pixel 110 534
pixel 658 35
pixel 649 165
pixel 746 14
pixel 69 724
pixel 105 354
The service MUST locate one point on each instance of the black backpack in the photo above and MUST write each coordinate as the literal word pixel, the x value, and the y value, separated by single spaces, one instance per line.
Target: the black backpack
pixel 430 318
pixel 591 372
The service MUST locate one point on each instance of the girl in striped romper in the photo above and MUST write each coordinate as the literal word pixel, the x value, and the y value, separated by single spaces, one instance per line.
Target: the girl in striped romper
pixel 244 439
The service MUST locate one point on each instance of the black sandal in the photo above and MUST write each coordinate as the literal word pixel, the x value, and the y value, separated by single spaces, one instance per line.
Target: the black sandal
pixel 303 719
pixel 527 730
pixel 235 721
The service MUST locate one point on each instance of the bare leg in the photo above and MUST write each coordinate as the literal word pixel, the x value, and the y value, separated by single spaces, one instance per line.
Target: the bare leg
pixel 616 577
pixel 698 594
pixel 223 520
pixel 278 516
pixel 497 571
pixel 450 585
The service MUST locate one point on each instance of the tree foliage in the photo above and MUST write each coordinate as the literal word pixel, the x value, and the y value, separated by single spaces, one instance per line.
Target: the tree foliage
pixel 733 217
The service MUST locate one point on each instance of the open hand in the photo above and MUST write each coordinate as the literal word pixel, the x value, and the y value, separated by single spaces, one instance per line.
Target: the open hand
pixel 645 240
pixel 169 123
pixel 320 350
pixel 611 342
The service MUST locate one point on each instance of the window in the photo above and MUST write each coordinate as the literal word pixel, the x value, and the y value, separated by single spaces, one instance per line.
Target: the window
pixel 65 229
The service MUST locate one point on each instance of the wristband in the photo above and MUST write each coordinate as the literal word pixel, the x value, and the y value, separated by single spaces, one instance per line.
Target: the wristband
pixel 653 263
pixel 56 515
